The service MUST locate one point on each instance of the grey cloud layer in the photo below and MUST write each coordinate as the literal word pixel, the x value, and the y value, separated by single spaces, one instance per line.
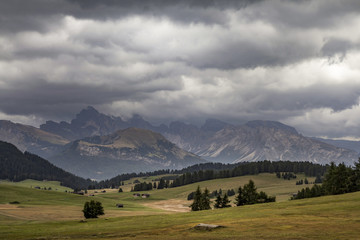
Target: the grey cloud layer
pixel 293 61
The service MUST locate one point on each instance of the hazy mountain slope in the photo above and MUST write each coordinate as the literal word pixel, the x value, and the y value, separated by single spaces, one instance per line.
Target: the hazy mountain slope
pixel 352 145
pixel 129 150
pixel 258 140
pixel 31 139
pixel 215 140
pixel 17 166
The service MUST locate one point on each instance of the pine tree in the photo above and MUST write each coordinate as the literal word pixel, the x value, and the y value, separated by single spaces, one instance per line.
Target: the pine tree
pixel 196 205
pixel 218 202
pixel 250 194
pixel 205 200
pixel 240 200
pixel 161 184
pixel 355 178
pixel 225 202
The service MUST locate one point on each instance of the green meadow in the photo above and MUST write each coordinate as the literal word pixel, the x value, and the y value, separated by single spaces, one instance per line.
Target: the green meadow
pixel 44 214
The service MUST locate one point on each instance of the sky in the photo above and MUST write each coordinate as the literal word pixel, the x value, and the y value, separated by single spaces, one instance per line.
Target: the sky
pixel 297 62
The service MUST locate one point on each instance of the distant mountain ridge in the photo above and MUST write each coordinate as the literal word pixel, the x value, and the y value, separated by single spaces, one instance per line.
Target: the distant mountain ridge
pixel 89 122
pixel 31 139
pixel 128 150
pixel 256 141
pixel 215 140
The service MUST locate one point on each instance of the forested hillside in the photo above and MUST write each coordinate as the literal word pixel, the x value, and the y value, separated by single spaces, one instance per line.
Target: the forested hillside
pixel 18 166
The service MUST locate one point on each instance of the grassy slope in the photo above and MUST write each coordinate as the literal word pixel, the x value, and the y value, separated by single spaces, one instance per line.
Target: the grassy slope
pixel 268 183
pixel 51 214
pixel 331 217
pixel 55 185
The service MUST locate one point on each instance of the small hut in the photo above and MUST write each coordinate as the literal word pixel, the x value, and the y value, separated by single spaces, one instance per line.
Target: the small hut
pixel 145 195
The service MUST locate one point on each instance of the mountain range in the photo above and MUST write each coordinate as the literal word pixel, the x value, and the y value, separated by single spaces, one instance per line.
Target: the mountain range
pixel 91 144
pixel 128 150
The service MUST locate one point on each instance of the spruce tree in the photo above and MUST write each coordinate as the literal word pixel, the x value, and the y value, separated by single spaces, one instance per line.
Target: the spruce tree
pixel 225 202
pixel 218 202
pixel 205 200
pixel 240 200
pixel 161 184
pixel 250 194
pixel 196 205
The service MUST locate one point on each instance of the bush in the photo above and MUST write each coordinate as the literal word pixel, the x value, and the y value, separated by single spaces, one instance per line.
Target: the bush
pixel 93 209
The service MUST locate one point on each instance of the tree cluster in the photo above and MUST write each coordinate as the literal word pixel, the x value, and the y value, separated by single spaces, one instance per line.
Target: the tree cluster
pixel 286 175
pixel 338 180
pixel 248 195
pixel 302 181
pixel 201 200
pixel 222 202
pixel 144 186
pixel 289 169
pixel 215 193
pixel 163 183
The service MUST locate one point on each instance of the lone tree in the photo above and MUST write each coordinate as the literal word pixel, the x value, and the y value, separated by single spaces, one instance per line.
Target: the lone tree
pixel 93 209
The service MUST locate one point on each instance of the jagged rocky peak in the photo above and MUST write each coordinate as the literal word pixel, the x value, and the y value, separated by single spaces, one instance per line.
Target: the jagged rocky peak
pixel 214 125
pixel 271 124
pixel 89 112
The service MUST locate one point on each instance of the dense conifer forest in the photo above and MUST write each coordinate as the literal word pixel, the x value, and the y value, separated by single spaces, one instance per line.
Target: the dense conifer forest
pixel 18 166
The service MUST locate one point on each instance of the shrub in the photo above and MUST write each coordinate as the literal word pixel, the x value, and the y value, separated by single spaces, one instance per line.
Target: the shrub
pixel 93 209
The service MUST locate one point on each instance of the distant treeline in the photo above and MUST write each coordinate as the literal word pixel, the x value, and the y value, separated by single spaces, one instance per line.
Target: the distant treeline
pixel 338 180
pixel 17 166
pixel 208 171
pixel 252 168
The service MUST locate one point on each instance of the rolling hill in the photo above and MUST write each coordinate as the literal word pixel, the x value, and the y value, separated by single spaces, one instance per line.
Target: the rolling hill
pixel 58 215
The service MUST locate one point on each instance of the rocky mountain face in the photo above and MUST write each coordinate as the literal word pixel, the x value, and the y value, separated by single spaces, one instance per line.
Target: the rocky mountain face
pixel 89 122
pixel 129 150
pixel 256 141
pixel 31 139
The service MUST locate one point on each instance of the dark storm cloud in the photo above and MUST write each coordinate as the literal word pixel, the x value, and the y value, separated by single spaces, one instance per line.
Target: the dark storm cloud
pixel 286 60
pixel 337 46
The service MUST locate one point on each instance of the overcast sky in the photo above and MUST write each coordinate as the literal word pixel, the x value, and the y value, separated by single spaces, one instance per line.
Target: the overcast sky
pixel 297 61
